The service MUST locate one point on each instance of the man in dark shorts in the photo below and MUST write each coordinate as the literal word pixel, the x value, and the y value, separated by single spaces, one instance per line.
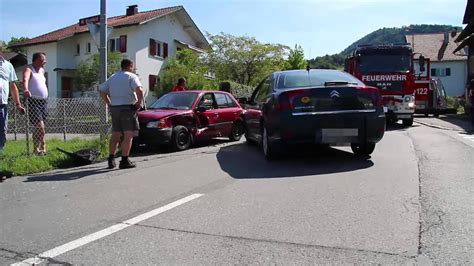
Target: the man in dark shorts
pixel 35 89
pixel 124 94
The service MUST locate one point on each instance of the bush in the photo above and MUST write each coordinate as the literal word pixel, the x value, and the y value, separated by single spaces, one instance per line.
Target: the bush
pixel 236 89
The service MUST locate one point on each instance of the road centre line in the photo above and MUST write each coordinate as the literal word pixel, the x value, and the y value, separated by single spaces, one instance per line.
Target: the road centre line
pixel 103 233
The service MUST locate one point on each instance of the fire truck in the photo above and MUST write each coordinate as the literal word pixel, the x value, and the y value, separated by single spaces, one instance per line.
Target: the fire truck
pixel 391 69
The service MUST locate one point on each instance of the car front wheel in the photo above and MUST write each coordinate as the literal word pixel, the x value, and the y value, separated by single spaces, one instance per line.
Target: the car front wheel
pixel 363 149
pixel 180 138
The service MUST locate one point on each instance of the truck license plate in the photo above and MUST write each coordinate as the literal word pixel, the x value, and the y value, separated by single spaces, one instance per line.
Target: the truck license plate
pixel 403 116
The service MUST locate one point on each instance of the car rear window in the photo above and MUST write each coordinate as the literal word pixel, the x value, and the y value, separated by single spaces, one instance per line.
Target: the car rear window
pixel 313 78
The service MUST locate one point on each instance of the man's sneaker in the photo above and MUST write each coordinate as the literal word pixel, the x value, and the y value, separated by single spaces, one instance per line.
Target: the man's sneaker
pixel 126 163
pixel 111 162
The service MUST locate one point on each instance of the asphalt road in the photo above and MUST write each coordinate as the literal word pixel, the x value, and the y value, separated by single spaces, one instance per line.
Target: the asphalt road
pixel 411 202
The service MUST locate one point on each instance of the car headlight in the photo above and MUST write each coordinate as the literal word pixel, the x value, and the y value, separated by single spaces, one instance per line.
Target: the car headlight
pixel 411 105
pixel 152 124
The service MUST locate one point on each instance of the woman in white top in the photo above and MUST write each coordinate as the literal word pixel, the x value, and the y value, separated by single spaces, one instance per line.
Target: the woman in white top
pixel 34 87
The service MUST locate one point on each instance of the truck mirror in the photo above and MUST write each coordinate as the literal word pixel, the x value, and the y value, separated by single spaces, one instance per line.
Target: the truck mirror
pixel 421 62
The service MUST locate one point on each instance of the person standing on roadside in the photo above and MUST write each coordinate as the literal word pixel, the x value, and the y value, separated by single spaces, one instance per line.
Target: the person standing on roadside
pixel 7 84
pixel 181 85
pixel 34 87
pixel 123 92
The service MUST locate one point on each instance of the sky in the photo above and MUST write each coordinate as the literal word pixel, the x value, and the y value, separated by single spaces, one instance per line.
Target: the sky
pixel 320 26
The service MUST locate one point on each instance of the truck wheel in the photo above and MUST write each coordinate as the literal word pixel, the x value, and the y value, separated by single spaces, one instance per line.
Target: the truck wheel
pixel 408 122
pixel 436 114
pixel 180 138
pixel 363 149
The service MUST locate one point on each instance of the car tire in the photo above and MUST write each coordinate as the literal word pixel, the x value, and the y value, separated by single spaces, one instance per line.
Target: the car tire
pixel 237 131
pixel 363 149
pixel 408 122
pixel 269 150
pixel 180 138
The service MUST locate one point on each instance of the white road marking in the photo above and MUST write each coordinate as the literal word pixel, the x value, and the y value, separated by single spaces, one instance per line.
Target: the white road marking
pixel 467 136
pixel 103 233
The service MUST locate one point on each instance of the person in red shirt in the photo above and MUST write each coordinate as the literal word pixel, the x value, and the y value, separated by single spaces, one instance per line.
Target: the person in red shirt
pixel 180 86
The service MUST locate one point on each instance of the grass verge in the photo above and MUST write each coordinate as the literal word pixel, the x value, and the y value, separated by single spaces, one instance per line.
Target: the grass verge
pixel 14 158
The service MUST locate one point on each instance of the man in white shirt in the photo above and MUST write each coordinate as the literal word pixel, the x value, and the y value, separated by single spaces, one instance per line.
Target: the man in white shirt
pixel 124 94
pixel 7 84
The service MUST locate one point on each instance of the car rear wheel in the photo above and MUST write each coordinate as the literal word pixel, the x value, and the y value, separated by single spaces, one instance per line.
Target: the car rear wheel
pixel 408 122
pixel 269 149
pixel 363 149
pixel 180 139
pixel 237 131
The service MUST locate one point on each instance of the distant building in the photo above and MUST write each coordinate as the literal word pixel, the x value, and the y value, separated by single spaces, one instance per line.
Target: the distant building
pixel 18 61
pixel 147 38
pixel 450 68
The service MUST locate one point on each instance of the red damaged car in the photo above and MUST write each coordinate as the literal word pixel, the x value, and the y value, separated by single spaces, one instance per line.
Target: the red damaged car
pixel 182 118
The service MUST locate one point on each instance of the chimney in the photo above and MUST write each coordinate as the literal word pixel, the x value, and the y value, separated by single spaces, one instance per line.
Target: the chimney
pixel 446 38
pixel 132 10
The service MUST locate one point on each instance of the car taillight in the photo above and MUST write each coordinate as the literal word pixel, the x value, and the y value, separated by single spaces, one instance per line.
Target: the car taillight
pixel 374 93
pixel 285 100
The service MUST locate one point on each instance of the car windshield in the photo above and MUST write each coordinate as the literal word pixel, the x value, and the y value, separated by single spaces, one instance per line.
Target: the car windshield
pixel 314 78
pixel 175 101
pixel 384 63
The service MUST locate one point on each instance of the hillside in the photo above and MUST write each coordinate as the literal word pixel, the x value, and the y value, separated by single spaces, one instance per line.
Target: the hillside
pixel 380 36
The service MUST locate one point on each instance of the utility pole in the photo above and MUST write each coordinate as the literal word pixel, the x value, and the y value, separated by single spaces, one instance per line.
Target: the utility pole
pixel 103 49
pixel 103 41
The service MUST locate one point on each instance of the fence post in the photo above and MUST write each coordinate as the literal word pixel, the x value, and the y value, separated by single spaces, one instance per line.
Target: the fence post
pixel 14 122
pixel 63 100
pixel 27 127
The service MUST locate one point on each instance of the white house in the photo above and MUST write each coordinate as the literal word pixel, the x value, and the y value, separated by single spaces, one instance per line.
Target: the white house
pixel 147 38
pixel 450 68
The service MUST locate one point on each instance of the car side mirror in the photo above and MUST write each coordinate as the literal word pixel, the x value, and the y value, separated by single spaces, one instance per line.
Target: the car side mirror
pixel 243 100
pixel 201 109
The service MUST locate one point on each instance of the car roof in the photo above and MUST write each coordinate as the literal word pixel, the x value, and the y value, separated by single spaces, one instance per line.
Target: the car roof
pixel 304 70
pixel 199 91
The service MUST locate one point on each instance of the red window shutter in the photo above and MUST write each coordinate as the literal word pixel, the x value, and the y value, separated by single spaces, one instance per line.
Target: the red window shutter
pixel 152 47
pixel 165 50
pixel 123 43
pixel 151 82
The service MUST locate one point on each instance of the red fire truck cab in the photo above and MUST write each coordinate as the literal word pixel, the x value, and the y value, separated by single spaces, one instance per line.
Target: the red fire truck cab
pixel 389 68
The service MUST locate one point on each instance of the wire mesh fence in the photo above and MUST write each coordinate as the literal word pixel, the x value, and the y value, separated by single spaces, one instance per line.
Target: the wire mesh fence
pixel 63 118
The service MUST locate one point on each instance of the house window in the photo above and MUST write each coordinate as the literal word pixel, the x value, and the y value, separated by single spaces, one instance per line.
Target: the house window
pixel 78 49
pixel 441 72
pixel 118 44
pixel 88 48
pixel 153 82
pixel 158 48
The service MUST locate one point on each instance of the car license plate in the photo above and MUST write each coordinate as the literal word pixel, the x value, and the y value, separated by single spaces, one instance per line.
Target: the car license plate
pixel 385 109
pixel 333 135
pixel 403 116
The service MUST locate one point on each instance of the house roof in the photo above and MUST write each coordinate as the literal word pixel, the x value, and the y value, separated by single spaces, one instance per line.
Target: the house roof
pixel 433 46
pixel 115 22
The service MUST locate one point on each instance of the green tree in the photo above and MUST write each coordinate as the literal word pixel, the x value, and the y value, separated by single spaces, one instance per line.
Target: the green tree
pixel 189 65
pixel 87 73
pixel 296 59
pixel 243 59
pixel 14 41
